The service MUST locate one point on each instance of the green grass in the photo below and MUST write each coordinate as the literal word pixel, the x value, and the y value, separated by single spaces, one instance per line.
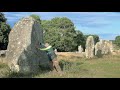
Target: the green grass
pixel 106 67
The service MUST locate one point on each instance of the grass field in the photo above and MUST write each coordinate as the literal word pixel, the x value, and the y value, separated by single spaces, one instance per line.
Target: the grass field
pixel 75 67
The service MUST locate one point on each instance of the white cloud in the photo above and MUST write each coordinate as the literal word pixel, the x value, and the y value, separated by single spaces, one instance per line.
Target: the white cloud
pixel 88 22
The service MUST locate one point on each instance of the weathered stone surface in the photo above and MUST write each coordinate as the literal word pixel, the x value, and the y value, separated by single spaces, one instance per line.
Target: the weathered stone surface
pixel 80 49
pixel 107 46
pixel 111 46
pixel 22 56
pixel 104 47
pixel 89 47
pixel 98 49
pixel 2 52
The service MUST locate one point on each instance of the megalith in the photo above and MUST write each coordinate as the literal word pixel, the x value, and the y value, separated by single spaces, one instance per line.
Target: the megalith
pixel 98 49
pixel 107 47
pixel 89 47
pixel 111 46
pixel 22 55
pixel 80 49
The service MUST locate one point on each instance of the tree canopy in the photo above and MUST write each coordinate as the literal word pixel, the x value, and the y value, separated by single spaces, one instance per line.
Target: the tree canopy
pixel 61 34
pixel 4 32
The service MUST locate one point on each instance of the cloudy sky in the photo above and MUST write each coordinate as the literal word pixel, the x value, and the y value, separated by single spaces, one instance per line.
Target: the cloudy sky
pixel 104 24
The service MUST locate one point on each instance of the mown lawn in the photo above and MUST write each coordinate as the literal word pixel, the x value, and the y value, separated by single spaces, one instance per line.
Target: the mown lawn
pixel 75 67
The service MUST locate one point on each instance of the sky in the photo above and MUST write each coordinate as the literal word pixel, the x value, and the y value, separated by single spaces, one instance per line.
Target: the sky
pixel 104 24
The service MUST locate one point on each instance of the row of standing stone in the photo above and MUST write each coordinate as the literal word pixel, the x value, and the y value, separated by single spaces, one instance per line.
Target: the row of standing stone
pixel 99 49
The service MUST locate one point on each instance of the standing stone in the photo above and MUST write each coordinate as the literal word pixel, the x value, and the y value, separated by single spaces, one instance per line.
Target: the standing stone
pixel 98 49
pixel 111 46
pixel 104 46
pixel 22 55
pixel 105 50
pixel 89 47
pixel 80 49
pixel 102 42
pixel 55 50
pixel 107 46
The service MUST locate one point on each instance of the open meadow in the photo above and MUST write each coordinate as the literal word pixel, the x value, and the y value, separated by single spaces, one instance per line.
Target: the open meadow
pixel 74 66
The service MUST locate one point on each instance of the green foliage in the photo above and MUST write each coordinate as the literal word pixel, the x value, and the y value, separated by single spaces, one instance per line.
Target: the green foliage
pixel 2 18
pixel 117 41
pixel 60 33
pixel 62 23
pixel 80 39
pixel 4 32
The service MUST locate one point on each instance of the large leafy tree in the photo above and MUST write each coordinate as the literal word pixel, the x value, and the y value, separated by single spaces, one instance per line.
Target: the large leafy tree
pixel 4 32
pixel 80 39
pixel 61 33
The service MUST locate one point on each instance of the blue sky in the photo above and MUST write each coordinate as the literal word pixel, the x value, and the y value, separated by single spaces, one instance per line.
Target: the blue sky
pixel 104 24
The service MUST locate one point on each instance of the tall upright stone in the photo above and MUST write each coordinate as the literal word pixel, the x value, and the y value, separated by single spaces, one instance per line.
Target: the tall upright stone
pixel 107 46
pixel 98 49
pixel 89 47
pixel 22 55
pixel 80 49
pixel 111 46
pixel 103 45
pixel 55 50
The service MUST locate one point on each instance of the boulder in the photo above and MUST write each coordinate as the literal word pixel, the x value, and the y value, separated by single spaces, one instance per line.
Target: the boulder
pixel 98 49
pixel 22 55
pixel 89 47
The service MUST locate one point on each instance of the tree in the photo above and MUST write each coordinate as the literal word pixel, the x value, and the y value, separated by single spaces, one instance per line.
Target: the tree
pixel 60 33
pixel 62 23
pixel 80 39
pixel 117 41
pixel 4 32
pixel 2 18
